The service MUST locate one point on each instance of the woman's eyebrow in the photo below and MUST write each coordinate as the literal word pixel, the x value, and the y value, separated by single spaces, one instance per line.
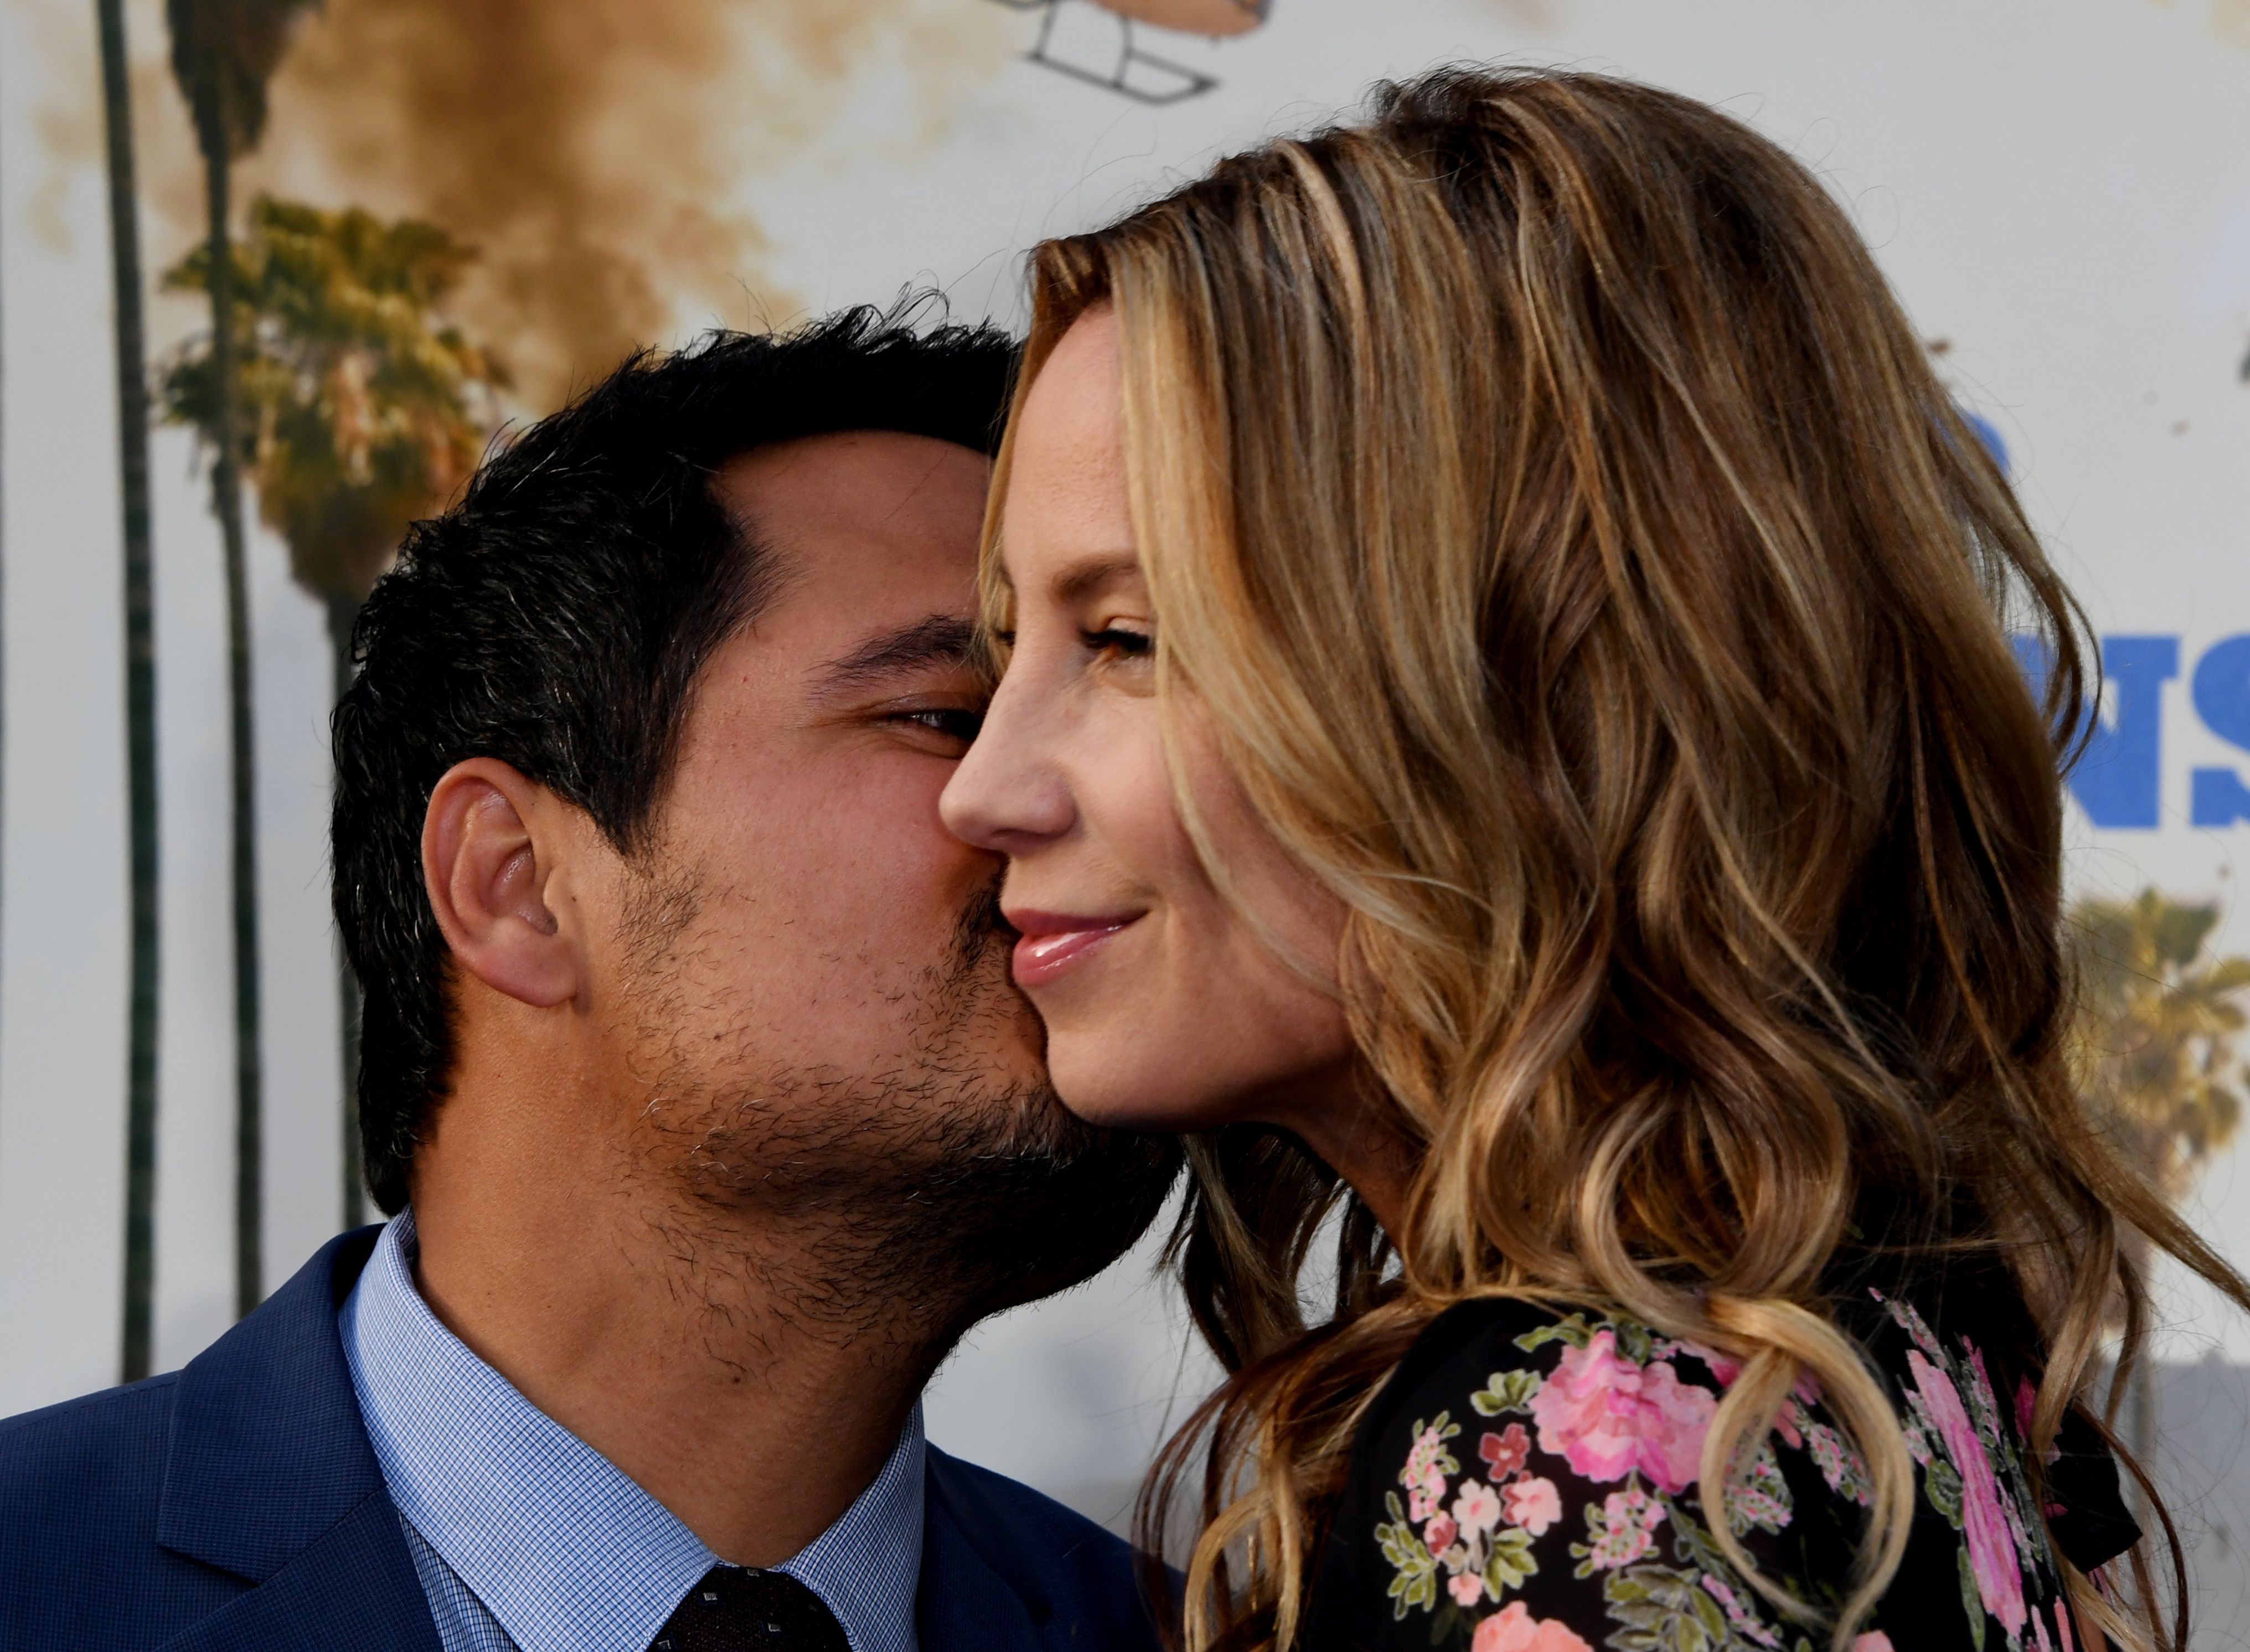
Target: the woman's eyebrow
pixel 1082 581
pixel 945 640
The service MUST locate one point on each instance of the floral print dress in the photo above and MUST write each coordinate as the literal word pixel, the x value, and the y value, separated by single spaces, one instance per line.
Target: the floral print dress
pixel 1526 1483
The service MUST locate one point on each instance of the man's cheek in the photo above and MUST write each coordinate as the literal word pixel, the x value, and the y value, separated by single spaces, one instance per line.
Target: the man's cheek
pixel 887 839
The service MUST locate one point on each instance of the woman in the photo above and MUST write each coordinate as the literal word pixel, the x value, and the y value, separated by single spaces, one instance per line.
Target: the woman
pixel 1510 722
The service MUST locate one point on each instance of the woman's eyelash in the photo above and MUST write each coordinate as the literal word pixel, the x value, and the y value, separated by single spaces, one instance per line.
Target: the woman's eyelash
pixel 1133 645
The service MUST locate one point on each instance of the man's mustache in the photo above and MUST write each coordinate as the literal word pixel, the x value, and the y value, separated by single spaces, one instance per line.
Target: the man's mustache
pixel 982 923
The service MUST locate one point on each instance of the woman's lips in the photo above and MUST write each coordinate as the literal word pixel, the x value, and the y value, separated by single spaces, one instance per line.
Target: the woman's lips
pixel 1052 943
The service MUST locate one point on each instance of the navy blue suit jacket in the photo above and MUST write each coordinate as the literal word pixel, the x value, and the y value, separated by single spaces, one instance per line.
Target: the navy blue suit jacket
pixel 238 1504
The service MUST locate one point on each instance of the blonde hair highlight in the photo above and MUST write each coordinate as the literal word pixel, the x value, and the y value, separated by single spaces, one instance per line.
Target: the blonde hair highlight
pixel 1585 574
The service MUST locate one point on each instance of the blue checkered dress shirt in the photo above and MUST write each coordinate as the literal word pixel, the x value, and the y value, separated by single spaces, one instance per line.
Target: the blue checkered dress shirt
pixel 529 1540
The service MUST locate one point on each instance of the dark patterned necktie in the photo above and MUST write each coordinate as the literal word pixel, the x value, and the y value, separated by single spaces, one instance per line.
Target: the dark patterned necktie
pixel 738 1609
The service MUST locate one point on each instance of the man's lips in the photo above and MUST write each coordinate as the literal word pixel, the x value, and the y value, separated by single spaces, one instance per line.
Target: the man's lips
pixel 1051 942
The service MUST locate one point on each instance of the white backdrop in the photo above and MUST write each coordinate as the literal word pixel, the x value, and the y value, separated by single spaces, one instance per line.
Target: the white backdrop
pixel 2060 189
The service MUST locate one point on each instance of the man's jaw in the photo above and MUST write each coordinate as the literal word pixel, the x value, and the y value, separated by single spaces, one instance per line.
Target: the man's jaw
pixel 902 1204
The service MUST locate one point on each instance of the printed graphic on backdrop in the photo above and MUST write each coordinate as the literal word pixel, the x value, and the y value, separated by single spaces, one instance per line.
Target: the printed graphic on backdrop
pixel 1094 41
pixel 516 194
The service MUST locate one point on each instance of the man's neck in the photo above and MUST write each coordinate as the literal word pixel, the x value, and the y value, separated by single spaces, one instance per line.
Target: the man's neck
pixel 673 1339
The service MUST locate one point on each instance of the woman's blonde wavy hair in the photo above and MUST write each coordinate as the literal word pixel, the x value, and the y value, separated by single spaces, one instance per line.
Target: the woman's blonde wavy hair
pixel 1560 524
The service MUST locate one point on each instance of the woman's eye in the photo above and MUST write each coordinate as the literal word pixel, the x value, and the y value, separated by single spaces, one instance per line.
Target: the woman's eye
pixel 953 722
pixel 1121 642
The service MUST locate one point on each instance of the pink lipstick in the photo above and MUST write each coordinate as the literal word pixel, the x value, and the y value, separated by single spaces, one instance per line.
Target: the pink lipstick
pixel 1051 942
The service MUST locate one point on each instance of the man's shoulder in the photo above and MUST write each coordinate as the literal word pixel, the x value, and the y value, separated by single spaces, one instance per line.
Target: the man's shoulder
pixel 129 1516
pixel 991 1501
pixel 97 1449
pixel 1069 1571
pixel 81 1490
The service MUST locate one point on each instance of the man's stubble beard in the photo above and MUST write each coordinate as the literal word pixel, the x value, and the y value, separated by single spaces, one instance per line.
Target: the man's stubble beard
pixel 893 1206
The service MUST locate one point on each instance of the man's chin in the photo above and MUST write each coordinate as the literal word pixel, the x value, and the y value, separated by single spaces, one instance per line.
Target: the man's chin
pixel 1054 1204
pixel 1038 1199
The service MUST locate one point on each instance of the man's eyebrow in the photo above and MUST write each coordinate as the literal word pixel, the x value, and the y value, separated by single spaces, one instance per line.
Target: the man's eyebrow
pixel 935 639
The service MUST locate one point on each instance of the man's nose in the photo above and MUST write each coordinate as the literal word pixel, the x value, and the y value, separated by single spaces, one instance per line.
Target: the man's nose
pixel 1007 795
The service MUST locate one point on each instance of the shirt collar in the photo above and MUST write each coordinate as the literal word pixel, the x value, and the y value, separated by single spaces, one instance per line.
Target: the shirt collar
pixel 560 1545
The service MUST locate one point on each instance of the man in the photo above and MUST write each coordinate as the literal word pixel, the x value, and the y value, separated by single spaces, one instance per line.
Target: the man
pixel 691 1075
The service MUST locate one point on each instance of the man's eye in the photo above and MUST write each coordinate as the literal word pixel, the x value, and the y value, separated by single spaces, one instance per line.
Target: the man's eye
pixel 953 722
pixel 1125 645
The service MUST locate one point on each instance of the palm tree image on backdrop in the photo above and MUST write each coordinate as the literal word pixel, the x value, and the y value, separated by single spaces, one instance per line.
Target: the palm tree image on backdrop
pixel 2157 1020
pixel 354 409
pixel 326 379
pixel 224 53
pixel 144 891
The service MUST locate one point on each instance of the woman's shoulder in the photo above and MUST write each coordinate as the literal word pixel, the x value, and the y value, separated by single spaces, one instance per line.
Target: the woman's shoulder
pixel 1492 1356
pixel 1599 1390
pixel 1527 1481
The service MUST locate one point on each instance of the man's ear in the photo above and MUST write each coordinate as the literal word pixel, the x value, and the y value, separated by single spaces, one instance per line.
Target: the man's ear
pixel 490 845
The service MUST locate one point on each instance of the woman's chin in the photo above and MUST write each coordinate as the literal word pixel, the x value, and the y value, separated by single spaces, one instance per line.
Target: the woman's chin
pixel 1108 1088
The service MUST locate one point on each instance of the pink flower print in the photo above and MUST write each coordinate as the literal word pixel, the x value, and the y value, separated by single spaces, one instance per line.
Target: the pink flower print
pixel 1533 1503
pixel 1506 1452
pixel 1753 1505
pixel 1984 1522
pixel 1844 1469
pixel 1903 1315
pixel 1806 1388
pixel 1917 1443
pixel 1745 1621
pixel 2027 1403
pixel 1423 1454
pixel 2039 1633
pixel 1439 1534
pixel 1873 1640
pixel 1606 1416
pixel 1674 1418
pixel 1981 1383
pixel 1627 1529
pixel 1477 1509
pixel 1795 1414
pixel 2062 1625
pixel 1516 1630
pixel 1467 1588
pixel 1423 1476
pixel 1721 1367
pixel 1788 1421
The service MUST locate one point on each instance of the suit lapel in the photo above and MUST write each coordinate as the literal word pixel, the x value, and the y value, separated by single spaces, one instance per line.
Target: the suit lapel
pixel 353 1589
pixel 270 1477
pixel 966 1603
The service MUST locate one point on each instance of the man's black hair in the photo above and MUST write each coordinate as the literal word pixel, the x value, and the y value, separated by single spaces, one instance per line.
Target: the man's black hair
pixel 557 617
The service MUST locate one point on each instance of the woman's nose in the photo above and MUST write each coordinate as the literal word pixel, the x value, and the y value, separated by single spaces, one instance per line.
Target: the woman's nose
pixel 1007 795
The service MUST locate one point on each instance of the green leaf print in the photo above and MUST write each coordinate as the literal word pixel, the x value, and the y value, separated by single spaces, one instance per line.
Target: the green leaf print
pixel 1414 1581
pixel 1971 1601
pixel 1634 1340
pixel 1693 1543
pixel 1407 1593
pixel 1942 1483
pixel 1512 1560
pixel 1662 1610
pixel 1506 1391
pixel 1573 1329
